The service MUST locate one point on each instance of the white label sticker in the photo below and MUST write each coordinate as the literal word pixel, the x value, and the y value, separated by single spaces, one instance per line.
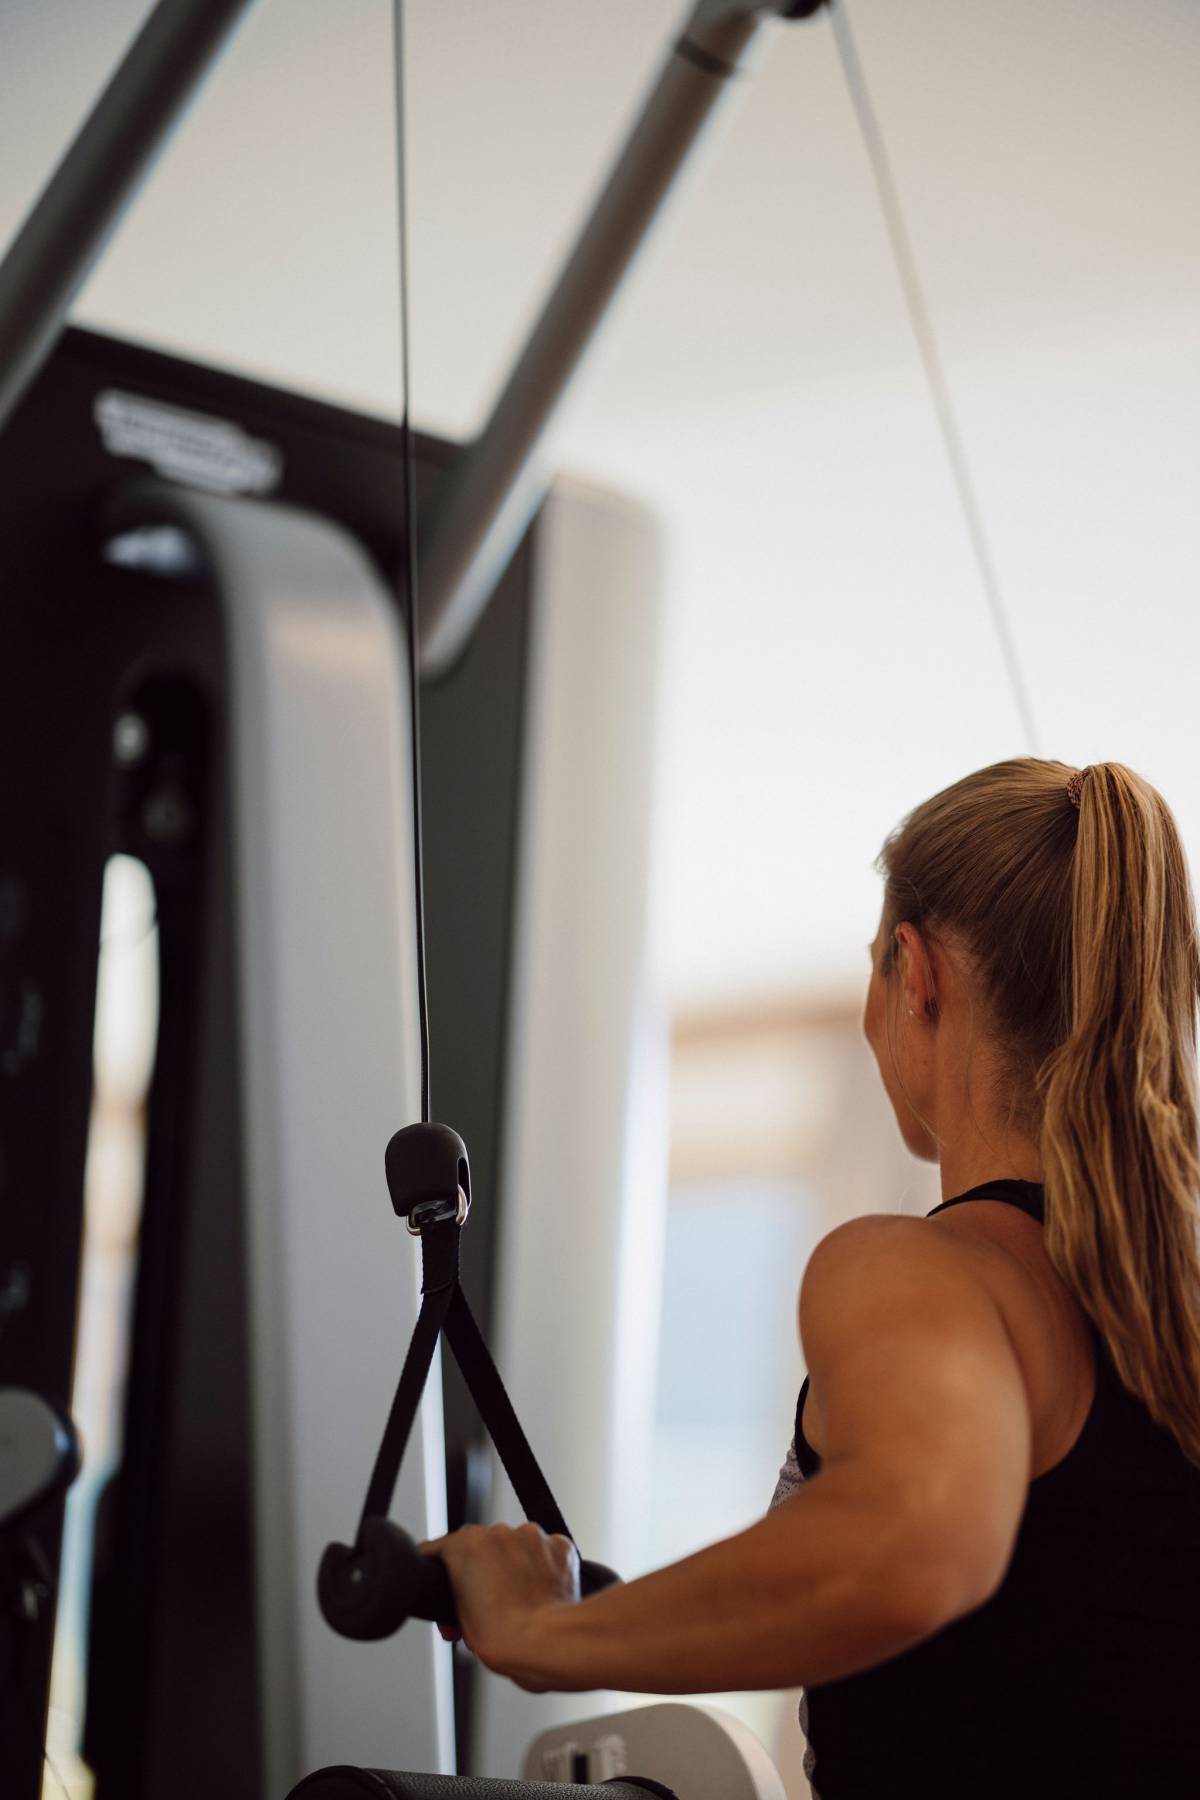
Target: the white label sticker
pixel 205 452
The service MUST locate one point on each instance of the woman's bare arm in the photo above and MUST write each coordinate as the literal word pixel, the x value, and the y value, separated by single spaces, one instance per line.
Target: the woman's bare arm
pixel 909 1524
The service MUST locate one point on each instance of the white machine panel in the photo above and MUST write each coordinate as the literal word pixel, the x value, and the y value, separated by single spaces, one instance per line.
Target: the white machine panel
pixel 324 903
pixel 699 1752
pixel 585 1165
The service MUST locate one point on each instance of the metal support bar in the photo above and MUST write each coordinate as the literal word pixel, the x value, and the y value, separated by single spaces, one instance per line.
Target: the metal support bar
pixel 500 482
pixel 84 199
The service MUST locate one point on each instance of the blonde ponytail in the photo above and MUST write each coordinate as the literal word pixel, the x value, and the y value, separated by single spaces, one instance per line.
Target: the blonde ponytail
pixel 1071 895
pixel 1119 1130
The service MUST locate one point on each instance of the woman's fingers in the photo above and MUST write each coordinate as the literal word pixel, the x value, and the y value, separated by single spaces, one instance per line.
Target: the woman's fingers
pixel 502 1576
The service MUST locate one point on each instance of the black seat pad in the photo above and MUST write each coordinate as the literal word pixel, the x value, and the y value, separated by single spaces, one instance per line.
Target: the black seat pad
pixel 388 1784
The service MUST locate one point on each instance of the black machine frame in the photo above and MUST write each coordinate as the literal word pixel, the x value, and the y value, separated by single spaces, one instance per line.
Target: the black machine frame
pixel 93 641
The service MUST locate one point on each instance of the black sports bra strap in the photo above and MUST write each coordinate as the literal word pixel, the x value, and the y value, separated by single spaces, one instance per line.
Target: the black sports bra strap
pixel 1028 1197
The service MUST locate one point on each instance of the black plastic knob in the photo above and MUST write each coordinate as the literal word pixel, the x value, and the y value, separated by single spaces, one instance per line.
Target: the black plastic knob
pixel 368 1590
pixel 426 1166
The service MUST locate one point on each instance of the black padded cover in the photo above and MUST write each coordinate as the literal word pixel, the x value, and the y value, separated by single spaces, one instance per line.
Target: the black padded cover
pixel 387 1784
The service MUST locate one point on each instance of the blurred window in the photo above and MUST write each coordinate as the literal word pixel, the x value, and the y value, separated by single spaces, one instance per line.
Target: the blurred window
pixel 125 1035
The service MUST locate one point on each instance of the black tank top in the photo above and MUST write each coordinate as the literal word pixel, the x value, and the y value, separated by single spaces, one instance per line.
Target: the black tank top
pixel 1080 1678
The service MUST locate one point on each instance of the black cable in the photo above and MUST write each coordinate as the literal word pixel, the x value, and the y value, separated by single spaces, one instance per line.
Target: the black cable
pixel 918 313
pixel 410 564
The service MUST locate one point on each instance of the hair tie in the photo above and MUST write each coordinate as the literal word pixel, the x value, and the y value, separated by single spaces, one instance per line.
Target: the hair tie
pixel 1075 787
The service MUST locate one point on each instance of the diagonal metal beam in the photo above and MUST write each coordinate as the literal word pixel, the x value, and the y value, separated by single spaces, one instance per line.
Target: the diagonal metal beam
pixel 501 479
pixel 82 203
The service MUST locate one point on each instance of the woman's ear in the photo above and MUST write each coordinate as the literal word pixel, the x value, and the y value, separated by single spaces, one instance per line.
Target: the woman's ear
pixel 914 967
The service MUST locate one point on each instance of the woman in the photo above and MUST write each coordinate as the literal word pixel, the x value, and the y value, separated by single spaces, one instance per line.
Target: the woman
pixel 983 1563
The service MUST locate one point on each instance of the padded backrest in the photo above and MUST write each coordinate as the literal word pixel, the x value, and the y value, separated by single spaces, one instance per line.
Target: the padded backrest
pixel 385 1784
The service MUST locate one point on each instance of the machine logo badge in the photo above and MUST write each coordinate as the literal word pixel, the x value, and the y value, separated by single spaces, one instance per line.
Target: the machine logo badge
pixel 206 452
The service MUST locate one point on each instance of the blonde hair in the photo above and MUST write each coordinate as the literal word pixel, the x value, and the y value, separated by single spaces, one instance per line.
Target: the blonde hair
pixel 1079 923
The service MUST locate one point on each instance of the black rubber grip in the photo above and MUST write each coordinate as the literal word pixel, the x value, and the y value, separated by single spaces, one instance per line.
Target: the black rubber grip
pixel 371 1589
pixel 424 1590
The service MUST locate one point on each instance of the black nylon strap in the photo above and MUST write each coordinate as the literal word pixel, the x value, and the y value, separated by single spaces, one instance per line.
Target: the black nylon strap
pixel 439 1283
pixel 444 1308
pixel 500 1420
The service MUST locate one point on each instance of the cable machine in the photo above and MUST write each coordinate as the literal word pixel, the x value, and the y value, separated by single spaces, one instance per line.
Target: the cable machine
pixel 231 601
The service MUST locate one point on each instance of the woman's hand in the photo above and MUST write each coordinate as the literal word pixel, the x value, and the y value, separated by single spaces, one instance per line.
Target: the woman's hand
pixel 505 1582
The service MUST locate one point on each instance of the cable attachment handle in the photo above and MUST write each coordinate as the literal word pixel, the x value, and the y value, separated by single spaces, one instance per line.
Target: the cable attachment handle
pixel 369 1588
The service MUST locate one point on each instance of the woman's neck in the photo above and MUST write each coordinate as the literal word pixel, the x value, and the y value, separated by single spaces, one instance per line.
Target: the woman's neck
pixel 1000 1157
pixel 977 1135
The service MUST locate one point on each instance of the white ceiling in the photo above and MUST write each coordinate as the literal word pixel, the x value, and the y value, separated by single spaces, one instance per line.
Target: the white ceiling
pixel 829 656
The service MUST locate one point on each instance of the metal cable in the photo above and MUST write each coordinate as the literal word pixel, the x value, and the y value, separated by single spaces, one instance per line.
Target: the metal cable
pixel 410 560
pixel 918 313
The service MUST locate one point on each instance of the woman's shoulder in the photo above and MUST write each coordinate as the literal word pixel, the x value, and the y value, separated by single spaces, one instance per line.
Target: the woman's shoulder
pixel 988 1246
pixel 875 1265
pixel 888 1265
pixel 912 1273
pixel 915 1391
pixel 887 1248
